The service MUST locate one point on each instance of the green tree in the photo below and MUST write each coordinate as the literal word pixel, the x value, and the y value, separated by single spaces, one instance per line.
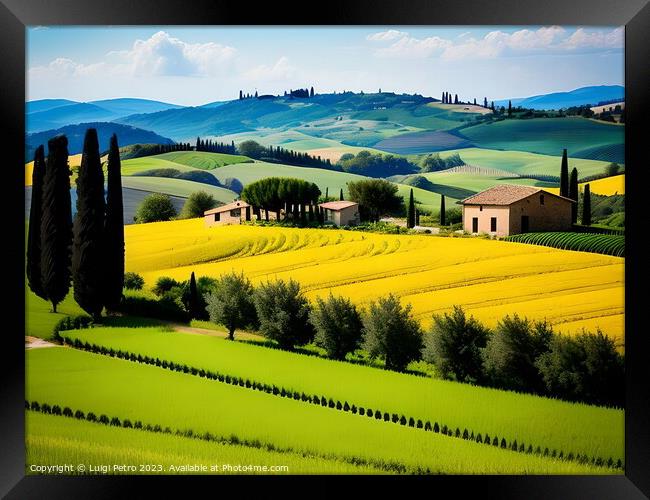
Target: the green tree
pixel 509 109
pixel 454 345
pixel 612 169
pixel 34 278
pixel 564 175
pixel 197 203
pixel 133 281
pixel 194 304
pixel 586 206
pixel 573 194
pixel 114 230
pixel 155 207
pixel 511 352
pixel 251 149
pixel 283 313
pixel 338 326
pixel 341 195
pixel 443 220
pixel 375 197
pixel 391 333
pixel 56 223
pixel 88 243
pixel 410 213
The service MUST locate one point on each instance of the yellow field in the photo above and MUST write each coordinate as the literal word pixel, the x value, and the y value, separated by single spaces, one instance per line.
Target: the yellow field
pixel 73 161
pixel 489 278
pixel 607 186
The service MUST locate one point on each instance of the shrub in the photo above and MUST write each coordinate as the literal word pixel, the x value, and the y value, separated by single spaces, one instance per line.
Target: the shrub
pixel 35 406
pixel 283 313
pixel 79 415
pixel 454 345
pixel 133 281
pixel 197 203
pixel 163 285
pixel 165 308
pixel 155 207
pixel 338 326
pixel 67 412
pixel 391 333
pixel 230 303
pixel 103 419
pixel 116 422
pixel 76 322
pixel 56 410
pixel 91 417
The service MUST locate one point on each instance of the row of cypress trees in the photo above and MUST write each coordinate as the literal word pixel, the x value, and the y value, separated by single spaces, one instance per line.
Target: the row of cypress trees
pixel 90 251
pixel 569 189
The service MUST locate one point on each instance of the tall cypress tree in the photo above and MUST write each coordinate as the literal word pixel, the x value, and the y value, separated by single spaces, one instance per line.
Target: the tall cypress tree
pixel 34 231
pixel 564 175
pixel 194 303
pixel 443 219
pixel 327 193
pixel 341 195
pixel 586 206
pixel 573 194
pixel 114 230
pixel 509 108
pixel 56 223
pixel 410 213
pixel 88 244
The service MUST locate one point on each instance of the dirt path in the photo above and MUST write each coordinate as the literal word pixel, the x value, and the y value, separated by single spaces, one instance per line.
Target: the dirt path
pixel 36 343
pixel 215 333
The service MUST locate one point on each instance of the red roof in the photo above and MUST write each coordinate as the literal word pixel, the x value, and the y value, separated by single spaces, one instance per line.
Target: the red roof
pixel 225 208
pixel 338 205
pixel 506 194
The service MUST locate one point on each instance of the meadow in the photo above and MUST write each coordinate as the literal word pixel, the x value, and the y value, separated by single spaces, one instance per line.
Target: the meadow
pixel 54 439
pixel 488 278
pixel 177 187
pixel 139 392
pixel 576 428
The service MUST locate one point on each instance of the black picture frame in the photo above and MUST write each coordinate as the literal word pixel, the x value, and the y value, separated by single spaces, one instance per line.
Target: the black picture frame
pixel 15 15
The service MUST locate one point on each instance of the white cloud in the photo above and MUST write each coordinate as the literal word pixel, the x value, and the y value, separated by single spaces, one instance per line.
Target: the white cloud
pixel 67 68
pixel 281 70
pixel 384 36
pixel 550 39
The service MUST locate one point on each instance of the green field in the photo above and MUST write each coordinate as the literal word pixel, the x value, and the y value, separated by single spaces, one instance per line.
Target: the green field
pixel 539 421
pixel 203 160
pixel 60 440
pixel 446 180
pixel 549 136
pixel 431 117
pixel 177 187
pixel 115 387
pixel 136 165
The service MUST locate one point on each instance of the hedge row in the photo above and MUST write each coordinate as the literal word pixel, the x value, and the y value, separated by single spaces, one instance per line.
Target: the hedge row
pixel 207 436
pixel 395 418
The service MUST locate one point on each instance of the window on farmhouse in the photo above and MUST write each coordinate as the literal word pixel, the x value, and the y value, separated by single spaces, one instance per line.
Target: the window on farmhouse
pixel 493 224
pixel 235 213
pixel 541 199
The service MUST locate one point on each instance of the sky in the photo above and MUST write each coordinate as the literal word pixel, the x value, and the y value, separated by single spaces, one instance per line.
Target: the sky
pixel 196 65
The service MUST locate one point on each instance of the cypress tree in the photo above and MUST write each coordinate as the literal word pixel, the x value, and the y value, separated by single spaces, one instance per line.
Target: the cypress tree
pixel 443 220
pixel 485 102
pixel 88 244
pixel 564 175
pixel 341 195
pixel 34 230
pixel 311 92
pixel 509 108
pixel 586 206
pixel 326 193
pixel 573 194
pixel 455 98
pixel 114 230
pixel 410 213
pixel 56 223
pixel 194 303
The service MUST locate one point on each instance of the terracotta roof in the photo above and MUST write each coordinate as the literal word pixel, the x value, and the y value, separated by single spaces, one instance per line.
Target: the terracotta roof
pixel 338 205
pixel 505 194
pixel 225 208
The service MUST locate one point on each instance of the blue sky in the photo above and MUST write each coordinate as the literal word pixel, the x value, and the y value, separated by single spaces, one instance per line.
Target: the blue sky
pixel 193 66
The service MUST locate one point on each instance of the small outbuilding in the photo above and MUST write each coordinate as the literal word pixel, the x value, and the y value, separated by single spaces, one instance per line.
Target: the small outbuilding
pixel 341 213
pixel 511 209
pixel 231 213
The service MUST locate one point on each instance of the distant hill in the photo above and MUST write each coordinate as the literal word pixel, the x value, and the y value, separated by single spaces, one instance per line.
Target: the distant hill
pixel 48 114
pixel 75 133
pixel 577 97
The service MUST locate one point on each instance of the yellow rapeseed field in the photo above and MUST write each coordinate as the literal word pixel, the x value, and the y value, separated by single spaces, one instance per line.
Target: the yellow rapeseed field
pixel 607 186
pixel 73 161
pixel 572 290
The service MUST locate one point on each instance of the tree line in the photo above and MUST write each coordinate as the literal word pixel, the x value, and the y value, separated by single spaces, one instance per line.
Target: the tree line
pixel 88 251
pixel 569 189
pixel 517 354
pixel 215 147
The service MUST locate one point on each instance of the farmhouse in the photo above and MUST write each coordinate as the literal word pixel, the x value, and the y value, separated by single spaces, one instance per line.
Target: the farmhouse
pixel 341 213
pixel 510 209
pixel 232 213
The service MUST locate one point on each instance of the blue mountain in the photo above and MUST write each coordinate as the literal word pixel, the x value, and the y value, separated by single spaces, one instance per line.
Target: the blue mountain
pixel 577 97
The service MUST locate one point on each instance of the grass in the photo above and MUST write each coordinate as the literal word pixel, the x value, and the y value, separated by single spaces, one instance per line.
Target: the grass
pixel 137 165
pixel 549 136
pixel 39 320
pixel 177 187
pixel 203 160
pixel 56 440
pixel 114 387
pixel 449 181
pixel 433 273
pixel 564 426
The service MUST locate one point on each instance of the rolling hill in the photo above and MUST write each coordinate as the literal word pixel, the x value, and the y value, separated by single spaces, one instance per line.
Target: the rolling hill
pixel 558 100
pixel 75 133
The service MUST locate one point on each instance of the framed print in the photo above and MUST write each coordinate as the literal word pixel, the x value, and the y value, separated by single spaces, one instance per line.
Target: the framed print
pixel 254 249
